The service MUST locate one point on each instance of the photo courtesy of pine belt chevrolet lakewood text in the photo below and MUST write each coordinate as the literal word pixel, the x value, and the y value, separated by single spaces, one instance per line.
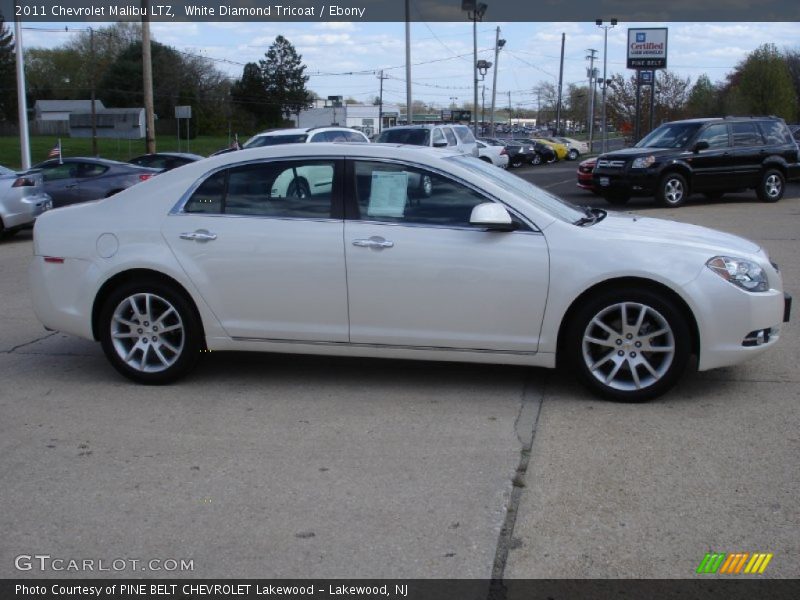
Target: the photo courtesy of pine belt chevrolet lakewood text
pixel 400 252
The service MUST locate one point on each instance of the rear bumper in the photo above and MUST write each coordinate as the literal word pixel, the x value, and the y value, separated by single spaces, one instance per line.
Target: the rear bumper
pixel 25 210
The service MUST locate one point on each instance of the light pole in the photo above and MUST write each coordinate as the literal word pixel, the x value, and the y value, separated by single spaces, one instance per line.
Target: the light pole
pixel 591 72
pixel 605 28
pixel 475 11
pixel 453 101
pixel 498 43
pixel 483 68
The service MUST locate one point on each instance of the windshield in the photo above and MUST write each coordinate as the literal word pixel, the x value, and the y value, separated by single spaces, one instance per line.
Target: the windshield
pixel 272 140
pixel 671 135
pixel 532 194
pixel 415 137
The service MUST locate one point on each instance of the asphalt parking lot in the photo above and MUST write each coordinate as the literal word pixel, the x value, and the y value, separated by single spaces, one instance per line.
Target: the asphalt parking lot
pixel 291 466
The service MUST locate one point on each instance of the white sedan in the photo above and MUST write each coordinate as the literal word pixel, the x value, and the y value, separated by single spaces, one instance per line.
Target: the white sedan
pixel 484 268
pixel 494 154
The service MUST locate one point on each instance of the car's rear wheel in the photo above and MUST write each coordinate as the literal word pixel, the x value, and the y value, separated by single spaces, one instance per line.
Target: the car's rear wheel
pixel 672 190
pixel 7 233
pixel 537 159
pixel 628 346
pixel 298 188
pixel 771 187
pixel 149 332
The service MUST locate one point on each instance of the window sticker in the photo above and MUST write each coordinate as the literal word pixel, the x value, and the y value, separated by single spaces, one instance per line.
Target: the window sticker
pixel 388 195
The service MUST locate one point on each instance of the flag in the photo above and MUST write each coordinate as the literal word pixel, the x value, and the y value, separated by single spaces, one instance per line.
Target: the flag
pixel 56 151
pixel 235 143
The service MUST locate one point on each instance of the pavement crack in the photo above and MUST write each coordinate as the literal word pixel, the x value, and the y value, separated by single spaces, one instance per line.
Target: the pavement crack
pixel 525 426
pixel 39 339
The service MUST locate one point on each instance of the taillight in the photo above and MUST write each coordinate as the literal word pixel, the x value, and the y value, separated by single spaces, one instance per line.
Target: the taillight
pixel 145 176
pixel 24 182
pixel 54 259
pixel 503 152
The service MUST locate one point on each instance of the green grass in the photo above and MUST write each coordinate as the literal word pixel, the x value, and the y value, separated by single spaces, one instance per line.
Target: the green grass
pixel 113 149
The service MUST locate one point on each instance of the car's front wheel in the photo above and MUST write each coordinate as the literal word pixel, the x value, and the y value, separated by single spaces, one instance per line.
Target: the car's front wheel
pixel 770 189
pixel 149 332
pixel 628 346
pixel 573 154
pixel 537 159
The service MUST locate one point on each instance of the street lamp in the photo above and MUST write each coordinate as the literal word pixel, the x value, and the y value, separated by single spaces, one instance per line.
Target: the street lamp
pixel 475 11
pixel 605 28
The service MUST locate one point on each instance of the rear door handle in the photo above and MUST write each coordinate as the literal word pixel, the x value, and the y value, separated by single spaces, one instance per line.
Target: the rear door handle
pixel 374 242
pixel 201 235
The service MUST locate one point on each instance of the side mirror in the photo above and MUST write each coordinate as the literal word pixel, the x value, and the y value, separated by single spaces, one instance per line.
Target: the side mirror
pixel 701 145
pixel 492 217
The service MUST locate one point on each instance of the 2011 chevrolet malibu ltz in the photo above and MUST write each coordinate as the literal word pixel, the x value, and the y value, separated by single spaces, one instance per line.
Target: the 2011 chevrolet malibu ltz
pixel 336 249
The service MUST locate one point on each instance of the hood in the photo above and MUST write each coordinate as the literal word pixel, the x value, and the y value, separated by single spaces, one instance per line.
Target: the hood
pixel 632 152
pixel 661 231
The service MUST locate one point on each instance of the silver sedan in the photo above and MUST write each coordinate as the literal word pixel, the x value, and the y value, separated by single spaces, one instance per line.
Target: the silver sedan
pixel 22 199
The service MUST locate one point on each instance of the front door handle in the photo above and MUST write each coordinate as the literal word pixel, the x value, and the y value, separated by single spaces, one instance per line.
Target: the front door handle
pixel 201 235
pixel 374 242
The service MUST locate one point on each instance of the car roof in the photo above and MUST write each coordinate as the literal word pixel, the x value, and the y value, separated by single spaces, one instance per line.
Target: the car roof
pixel 301 130
pixel 172 154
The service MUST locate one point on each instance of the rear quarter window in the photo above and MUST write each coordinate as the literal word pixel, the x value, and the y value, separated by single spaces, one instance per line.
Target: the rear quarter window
pixel 775 132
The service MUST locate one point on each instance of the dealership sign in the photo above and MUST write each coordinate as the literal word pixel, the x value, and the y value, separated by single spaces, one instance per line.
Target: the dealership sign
pixel 647 48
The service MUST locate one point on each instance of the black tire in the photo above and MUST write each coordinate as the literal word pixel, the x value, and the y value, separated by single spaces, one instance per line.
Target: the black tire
pixel 179 329
pixel 7 233
pixel 298 188
pixel 771 186
pixel 573 154
pixel 616 198
pixel 672 190
pixel 616 359
pixel 516 161
pixel 536 159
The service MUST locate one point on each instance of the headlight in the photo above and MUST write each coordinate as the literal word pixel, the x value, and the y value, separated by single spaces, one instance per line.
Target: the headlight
pixel 740 272
pixel 643 162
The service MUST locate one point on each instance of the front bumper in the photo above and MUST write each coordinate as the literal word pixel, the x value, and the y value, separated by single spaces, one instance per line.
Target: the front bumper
pixel 638 182
pixel 729 319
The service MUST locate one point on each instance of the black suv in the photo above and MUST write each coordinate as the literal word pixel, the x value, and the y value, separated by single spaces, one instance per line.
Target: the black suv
pixel 712 156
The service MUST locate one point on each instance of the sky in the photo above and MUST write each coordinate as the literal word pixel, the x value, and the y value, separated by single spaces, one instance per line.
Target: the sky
pixel 441 53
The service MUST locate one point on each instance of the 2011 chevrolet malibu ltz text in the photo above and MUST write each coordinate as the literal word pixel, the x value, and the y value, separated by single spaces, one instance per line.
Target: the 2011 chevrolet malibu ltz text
pixel 336 249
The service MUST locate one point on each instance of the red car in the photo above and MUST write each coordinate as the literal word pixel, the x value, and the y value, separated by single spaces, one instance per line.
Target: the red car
pixel 585 175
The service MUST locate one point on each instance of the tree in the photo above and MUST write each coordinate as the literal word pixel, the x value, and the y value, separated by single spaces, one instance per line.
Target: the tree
pixel 763 84
pixel 8 83
pixel 704 99
pixel 250 97
pixel 793 63
pixel 284 77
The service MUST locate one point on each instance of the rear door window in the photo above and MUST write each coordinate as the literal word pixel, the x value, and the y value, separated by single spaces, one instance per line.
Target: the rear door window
pixel 746 134
pixel 451 137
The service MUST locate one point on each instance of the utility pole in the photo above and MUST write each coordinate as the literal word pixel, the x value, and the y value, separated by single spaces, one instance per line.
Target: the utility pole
pixel 381 76
pixel 22 102
pixel 93 96
pixel 147 72
pixel 560 83
pixel 509 111
pixel 483 106
pixel 605 28
pixel 592 55
pixel 409 112
pixel 498 43
pixel 538 108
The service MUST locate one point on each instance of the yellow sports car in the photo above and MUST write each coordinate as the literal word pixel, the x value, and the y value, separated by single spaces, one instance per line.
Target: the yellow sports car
pixel 560 149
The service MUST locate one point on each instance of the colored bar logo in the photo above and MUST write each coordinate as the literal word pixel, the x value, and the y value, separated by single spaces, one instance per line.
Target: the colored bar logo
pixel 734 563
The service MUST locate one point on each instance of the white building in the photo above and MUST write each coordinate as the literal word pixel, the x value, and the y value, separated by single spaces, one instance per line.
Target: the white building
pixel 363 117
